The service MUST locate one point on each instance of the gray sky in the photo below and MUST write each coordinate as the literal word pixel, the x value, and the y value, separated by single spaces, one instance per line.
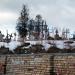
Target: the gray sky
pixel 57 13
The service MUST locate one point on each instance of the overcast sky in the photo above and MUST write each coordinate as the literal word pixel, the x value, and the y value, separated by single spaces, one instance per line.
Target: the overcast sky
pixel 57 13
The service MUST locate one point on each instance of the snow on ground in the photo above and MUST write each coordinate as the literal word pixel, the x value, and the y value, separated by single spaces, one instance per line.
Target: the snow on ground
pixel 2 44
pixel 46 46
pixel 59 43
pixel 46 43
pixel 36 42
pixel 12 45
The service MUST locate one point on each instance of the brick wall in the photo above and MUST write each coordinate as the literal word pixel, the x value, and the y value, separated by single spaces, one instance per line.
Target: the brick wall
pixel 28 65
pixel 37 64
pixel 2 64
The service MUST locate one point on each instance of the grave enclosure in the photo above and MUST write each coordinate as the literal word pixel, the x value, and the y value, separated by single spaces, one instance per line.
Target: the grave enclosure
pixel 37 64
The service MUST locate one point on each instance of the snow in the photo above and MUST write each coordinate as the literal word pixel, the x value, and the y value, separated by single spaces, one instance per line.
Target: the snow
pixel 2 44
pixel 12 45
pixel 46 43
pixel 47 46
pixel 59 44
pixel 31 42
pixel 26 47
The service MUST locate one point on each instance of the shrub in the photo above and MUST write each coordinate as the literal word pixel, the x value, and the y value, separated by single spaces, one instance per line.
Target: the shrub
pixel 38 48
pixel 21 50
pixel 53 49
pixel 4 50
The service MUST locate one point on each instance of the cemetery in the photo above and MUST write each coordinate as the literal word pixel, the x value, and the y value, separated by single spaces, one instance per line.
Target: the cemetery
pixel 36 49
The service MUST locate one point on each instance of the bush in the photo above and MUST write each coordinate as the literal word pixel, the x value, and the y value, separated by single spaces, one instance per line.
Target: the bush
pixel 38 48
pixel 53 49
pixel 73 50
pixel 50 38
pixel 21 50
pixel 4 50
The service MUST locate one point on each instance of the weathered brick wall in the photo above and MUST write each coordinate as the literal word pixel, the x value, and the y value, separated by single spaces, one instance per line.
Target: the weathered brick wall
pixel 2 64
pixel 64 65
pixel 38 64
pixel 28 65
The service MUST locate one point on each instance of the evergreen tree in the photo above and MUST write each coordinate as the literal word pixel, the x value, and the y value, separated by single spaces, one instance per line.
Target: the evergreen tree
pixel 42 28
pixel 30 27
pixel 46 30
pixel 56 34
pixel 63 34
pixel 67 32
pixel 23 22
pixel 38 22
